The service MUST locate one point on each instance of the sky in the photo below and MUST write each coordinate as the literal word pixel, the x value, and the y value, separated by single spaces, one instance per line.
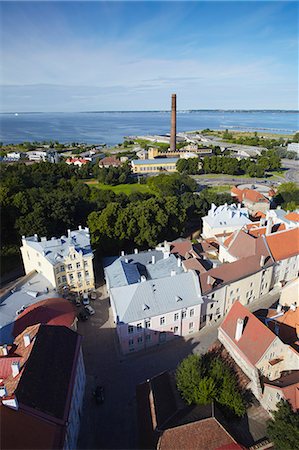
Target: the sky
pixel 105 56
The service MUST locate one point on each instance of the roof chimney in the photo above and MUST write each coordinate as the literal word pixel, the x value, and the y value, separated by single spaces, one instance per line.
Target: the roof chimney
pixel 69 233
pixel 3 391
pixel 179 262
pixel 279 308
pixel 143 278
pixel 26 338
pixel 210 279
pixel 15 368
pixel 269 226
pixel 80 227
pixel 172 273
pixel 293 307
pixel 262 260
pixel 135 251
pixel 239 329
pixel 122 253
pixel 3 350
pixel 153 259
pixel 126 260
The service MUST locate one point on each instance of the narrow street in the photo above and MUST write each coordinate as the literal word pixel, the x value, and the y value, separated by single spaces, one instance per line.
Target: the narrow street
pixel 113 424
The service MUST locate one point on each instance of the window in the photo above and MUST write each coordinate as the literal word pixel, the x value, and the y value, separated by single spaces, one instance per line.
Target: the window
pixel 211 305
pixel 131 342
pixel 28 255
pixel 176 329
pixel 130 329
pixel 231 293
pixel 140 340
pixel 176 317
pixel 213 295
pixel 63 279
pixel 78 265
pixel 87 273
pixel 139 326
pixel 58 280
pixel 218 311
pixel 88 283
pixel 147 324
pixel 162 320
pixel 148 337
pixel 71 277
pixel 61 268
pixel 277 395
pixel 184 314
pixel 57 270
pixel 237 290
pixel 191 325
pixel 79 275
pixel 191 312
pixel 85 263
pixel 69 267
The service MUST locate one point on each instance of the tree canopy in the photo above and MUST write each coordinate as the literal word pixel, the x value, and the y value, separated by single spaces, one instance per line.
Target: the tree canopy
pixel 283 429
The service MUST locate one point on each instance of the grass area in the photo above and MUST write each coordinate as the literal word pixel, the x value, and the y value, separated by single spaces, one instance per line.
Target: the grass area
pixel 120 188
pixel 220 189
pixel 237 134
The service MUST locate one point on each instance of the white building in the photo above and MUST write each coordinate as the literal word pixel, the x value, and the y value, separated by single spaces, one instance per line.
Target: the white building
pixel 294 147
pixel 224 219
pixel 153 300
pixel 66 261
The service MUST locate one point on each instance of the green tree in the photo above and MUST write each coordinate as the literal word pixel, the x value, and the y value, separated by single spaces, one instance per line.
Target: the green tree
pixel 283 429
pixel 205 391
pixel 188 377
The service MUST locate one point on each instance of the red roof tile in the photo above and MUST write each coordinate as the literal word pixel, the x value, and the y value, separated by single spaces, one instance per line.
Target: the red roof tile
pixel 254 196
pixel 110 161
pixel 182 248
pixel 288 383
pixel 293 216
pixel 284 244
pixel 205 434
pixel 229 272
pixel 256 337
pixel 52 311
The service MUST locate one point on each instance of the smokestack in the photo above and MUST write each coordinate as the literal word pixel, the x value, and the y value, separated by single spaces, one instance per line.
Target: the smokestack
pixel 269 226
pixel 173 124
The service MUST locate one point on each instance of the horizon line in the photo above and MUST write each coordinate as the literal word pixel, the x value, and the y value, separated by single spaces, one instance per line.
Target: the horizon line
pixel 154 110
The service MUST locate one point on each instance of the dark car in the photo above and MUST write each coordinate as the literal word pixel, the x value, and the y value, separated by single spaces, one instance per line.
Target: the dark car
pixel 82 316
pixel 98 394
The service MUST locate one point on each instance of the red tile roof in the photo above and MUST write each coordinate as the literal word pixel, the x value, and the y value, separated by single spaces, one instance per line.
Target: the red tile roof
pixel 244 244
pixel 254 196
pixel 288 383
pixel 293 216
pixel 259 214
pixel 110 161
pixel 205 434
pixel 229 272
pixel 256 337
pixel 284 244
pixel 195 264
pixel 288 325
pixel 52 311
pixel 28 432
pixel 182 248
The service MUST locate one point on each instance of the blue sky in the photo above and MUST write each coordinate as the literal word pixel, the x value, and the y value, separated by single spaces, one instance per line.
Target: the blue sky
pixel 79 56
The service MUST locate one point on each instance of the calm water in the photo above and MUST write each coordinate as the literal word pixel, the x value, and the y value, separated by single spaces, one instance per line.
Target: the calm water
pixel 111 127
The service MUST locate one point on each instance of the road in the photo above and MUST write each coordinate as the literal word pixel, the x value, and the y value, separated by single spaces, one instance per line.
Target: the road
pixel 292 173
pixel 113 425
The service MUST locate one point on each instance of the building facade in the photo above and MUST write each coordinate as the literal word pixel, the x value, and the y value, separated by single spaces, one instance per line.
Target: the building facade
pixel 65 262
pixel 154 165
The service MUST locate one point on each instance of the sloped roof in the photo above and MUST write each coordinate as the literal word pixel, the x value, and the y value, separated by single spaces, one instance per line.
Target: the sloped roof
pixel 24 431
pixel 227 215
pixel 254 196
pixel 256 337
pixel 288 329
pixel 284 244
pixel 52 311
pixel 243 244
pixel 155 297
pixel 288 383
pixel 45 381
pixel 182 248
pixel 110 161
pixel 228 272
pixel 293 216
pixel 205 434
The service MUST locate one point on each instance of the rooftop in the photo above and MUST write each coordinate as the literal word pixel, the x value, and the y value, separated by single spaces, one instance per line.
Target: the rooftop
pixel 30 290
pixel 227 215
pixel 256 337
pixel 55 250
pixel 288 383
pixel 155 297
pixel 154 161
pixel 284 244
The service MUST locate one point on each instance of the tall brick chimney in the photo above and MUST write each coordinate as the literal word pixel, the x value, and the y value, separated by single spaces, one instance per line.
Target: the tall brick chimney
pixel 173 124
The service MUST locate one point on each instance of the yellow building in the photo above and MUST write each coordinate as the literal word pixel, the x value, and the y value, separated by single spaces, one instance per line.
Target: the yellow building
pixel 65 262
pixel 154 165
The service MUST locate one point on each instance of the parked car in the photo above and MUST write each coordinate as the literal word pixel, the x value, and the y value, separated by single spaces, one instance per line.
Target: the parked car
pixel 89 309
pixel 85 300
pixel 82 316
pixel 98 394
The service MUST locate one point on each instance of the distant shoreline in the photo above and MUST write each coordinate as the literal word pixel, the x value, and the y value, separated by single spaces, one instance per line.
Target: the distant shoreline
pixel 179 111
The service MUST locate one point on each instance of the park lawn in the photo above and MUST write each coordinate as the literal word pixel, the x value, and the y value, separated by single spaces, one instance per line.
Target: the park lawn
pixel 220 189
pixel 120 188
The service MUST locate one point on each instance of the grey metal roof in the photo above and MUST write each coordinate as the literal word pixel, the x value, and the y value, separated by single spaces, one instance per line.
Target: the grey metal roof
pixel 156 161
pixel 227 215
pixel 128 269
pixel 55 250
pixel 15 299
pixel 155 297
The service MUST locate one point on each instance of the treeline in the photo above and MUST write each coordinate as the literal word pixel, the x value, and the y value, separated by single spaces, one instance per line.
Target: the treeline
pixel 268 161
pixel 47 199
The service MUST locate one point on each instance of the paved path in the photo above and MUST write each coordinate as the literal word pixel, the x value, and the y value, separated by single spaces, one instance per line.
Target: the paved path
pixel 113 425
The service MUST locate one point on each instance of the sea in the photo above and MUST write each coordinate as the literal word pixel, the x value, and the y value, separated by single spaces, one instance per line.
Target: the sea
pixel 112 127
